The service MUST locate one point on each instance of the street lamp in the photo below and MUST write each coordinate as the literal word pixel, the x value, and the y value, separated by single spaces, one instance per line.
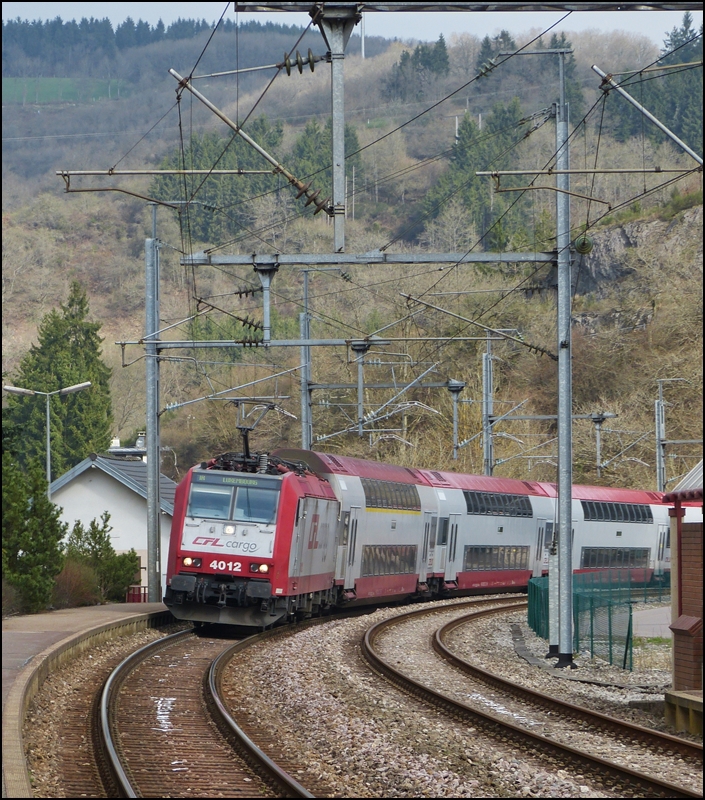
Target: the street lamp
pixel 68 390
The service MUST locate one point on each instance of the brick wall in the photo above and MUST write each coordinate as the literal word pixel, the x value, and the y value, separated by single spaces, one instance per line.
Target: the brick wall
pixel 688 628
pixel 692 569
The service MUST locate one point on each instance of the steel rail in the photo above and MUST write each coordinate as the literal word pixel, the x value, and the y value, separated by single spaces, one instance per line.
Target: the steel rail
pixel 504 730
pixel 238 739
pixel 109 743
pixel 252 754
pixel 664 741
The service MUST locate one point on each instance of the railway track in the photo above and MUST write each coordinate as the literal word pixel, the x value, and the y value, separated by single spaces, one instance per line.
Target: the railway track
pixel 167 733
pixel 609 774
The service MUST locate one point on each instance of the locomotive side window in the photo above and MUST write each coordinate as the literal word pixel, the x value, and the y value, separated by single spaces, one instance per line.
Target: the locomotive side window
pixel 255 505
pixel 508 505
pixel 209 501
pixel 616 512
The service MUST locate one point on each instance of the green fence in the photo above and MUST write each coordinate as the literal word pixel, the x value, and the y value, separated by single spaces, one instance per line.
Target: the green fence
pixel 602 611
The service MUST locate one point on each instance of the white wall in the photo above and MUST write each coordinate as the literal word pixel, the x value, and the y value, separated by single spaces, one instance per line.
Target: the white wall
pixel 90 494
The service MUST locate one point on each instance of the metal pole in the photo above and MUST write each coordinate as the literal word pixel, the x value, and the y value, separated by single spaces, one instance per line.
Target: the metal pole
pixel 48 448
pixel 360 348
pixel 336 25
pixel 565 471
pixel 337 54
pixel 304 318
pixel 660 436
pixel 553 599
pixel 607 79
pixel 362 37
pixel 598 447
pixel 455 388
pixel 487 411
pixel 266 273
pixel 154 572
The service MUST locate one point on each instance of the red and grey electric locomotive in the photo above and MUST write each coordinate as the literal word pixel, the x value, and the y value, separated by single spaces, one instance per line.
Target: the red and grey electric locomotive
pixel 262 540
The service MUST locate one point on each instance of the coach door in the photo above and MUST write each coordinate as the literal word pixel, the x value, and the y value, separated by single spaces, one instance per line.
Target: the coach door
pixel 348 551
pixel 430 524
pixel 542 537
pixel 663 554
pixel 451 567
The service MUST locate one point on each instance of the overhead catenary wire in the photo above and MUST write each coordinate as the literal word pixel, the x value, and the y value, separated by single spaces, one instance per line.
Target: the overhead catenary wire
pixel 603 215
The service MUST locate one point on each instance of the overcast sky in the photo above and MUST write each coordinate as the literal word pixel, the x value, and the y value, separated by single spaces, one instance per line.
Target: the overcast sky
pixel 420 25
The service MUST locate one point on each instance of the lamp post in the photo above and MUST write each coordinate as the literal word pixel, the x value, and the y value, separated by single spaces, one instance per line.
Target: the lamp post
pixel 29 392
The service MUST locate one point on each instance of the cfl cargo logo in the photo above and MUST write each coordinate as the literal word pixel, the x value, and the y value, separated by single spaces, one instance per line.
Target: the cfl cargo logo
pixel 208 540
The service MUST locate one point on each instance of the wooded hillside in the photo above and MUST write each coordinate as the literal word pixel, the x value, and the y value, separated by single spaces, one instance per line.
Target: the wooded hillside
pixel 411 164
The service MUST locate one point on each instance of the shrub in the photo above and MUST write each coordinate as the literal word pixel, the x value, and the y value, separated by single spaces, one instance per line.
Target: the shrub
pixel 76 585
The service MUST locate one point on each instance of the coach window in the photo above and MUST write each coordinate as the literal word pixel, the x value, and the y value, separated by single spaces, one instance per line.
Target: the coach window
pixel 442 532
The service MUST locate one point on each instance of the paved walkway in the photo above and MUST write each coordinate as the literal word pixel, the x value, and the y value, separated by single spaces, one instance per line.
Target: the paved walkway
pixel 652 622
pixel 26 637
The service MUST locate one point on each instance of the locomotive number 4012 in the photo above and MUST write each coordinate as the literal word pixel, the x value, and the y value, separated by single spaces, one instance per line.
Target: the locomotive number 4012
pixel 231 566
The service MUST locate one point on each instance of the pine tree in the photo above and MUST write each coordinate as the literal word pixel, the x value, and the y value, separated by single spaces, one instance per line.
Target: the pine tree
pixel 68 353
pixel 31 534
pixel 485 54
pixel 441 62
pixel 674 97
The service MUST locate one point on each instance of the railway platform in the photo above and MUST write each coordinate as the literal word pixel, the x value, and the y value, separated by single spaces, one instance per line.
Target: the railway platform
pixel 30 643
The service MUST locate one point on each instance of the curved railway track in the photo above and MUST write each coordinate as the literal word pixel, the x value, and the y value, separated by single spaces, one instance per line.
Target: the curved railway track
pixel 620 778
pixel 167 733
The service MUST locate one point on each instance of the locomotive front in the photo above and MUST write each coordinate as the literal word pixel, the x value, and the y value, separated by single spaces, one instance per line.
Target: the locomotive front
pixel 221 557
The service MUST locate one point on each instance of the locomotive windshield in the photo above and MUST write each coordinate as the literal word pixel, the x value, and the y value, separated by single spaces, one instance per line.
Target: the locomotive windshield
pixel 212 502
pixel 255 505
pixel 249 500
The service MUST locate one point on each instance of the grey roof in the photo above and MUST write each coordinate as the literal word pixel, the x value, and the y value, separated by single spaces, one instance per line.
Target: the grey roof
pixel 693 480
pixel 131 473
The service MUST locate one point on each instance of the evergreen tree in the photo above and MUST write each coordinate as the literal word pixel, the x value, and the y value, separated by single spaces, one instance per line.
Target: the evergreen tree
pixel 674 97
pixel 441 62
pixel 126 34
pixel 410 76
pixel 485 54
pixel 92 546
pixel 31 534
pixel 227 208
pixel 68 353
pixel 573 91
pixel 481 150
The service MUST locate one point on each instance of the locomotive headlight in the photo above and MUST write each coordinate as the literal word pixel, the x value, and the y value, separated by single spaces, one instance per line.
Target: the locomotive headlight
pixel 192 562
pixel 228 529
pixel 264 567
